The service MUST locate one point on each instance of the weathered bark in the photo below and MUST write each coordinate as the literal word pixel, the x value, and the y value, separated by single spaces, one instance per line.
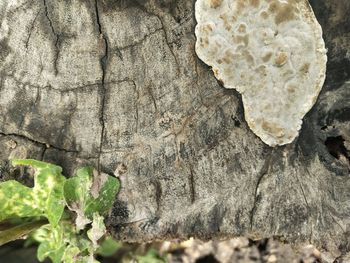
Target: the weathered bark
pixel 117 84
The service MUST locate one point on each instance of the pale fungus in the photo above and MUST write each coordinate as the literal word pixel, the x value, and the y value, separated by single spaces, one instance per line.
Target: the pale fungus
pixel 272 52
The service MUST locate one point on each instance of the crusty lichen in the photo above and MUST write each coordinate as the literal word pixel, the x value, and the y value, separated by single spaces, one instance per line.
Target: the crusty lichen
pixel 272 52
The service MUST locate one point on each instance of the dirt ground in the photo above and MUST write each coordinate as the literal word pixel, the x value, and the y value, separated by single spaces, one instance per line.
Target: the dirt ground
pixel 242 250
pixel 238 250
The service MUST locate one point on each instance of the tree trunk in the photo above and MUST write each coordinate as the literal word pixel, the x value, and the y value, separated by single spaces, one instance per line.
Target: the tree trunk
pixel 117 85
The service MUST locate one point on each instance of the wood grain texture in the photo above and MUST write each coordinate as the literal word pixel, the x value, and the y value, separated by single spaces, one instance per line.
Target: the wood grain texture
pixel 117 84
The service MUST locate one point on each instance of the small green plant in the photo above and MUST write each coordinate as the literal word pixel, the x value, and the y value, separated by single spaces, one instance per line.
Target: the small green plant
pixel 65 216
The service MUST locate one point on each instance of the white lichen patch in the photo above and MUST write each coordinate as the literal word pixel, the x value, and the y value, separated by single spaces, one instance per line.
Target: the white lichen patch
pixel 272 52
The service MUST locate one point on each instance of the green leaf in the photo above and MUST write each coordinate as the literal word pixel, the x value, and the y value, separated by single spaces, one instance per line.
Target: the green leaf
pixel 55 202
pixel 152 256
pixel 16 200
pixel 55 240
pixel 104 202
pixel 108 247
pixel 71 254
pixel 48 188
pixel 44 199
pixel 40 235
pixel 77 187
pixel 89 194
pixel 78 195
pixel 87 259
pixel 48 249
pixel 19 231
pixel 43 250
pixel 98 229
pixel 37 164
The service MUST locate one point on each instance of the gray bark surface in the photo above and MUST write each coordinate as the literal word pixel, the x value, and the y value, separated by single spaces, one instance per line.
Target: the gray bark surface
pixel 117 85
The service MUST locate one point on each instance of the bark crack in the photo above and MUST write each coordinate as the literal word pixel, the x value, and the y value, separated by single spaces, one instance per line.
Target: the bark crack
pixel 136 104
pixel 31 30
pixel 264 171
pixel 103 63
pixel 43 154
pixel 158 194
pixel 136 43
pixel 302 191
pixel 168 44
pixel 197 82
pixel 153 99
pixel 57 38
pixel 192 186
pixel 166 37
pixel 38 143
pixel 307 205
pixel 49 87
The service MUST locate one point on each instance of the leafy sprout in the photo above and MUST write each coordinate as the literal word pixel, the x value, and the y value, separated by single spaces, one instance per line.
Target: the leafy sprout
pixel 45 211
